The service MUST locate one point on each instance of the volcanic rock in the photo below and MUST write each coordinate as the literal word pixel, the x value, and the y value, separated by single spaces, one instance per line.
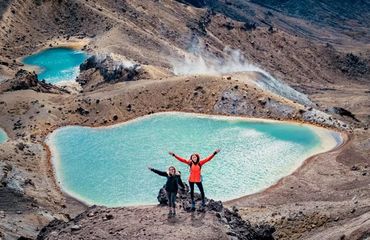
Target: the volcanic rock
pixel 239 228
pixel 24 80
pixel 82 111
pixel 110 70
pixel 343 112
pixel 353 66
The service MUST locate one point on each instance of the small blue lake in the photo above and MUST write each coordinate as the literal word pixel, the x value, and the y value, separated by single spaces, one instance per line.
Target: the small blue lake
pixel 3 136
pixel 57 64
pixel 108 166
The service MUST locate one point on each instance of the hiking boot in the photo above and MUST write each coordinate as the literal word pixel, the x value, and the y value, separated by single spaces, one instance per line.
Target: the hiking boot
pixel 203 203
pixel 192 206
pixel 170 213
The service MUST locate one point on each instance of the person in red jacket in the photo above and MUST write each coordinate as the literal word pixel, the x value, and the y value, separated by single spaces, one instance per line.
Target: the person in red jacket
pixel 195 177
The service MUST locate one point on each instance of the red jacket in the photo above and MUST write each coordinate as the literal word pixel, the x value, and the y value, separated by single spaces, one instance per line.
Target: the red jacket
pixel 195 169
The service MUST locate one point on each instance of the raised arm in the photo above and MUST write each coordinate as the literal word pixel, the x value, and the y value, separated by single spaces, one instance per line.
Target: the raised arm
pixel 160 173
pixel 183 160
pixel 209 158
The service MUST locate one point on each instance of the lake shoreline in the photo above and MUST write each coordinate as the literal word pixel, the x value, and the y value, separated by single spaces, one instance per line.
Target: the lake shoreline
pixel 346 138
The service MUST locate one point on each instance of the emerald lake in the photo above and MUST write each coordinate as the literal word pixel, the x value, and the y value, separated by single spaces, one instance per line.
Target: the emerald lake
pixel 108 165
pixel 56 65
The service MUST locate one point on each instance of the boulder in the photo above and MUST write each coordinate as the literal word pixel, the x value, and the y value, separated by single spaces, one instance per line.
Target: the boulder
pixel 249 26
pixel 75 227
pixel 82 111
pixel 162 197
pixel 216 206
pixel 265 232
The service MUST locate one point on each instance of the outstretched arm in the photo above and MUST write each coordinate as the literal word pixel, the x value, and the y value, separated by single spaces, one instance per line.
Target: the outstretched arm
pixel 209 158
pixel 160 173
pixel 183 160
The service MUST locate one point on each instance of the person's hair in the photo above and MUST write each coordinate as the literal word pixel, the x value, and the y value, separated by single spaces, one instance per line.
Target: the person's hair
pixel 197 155
pixel 170 168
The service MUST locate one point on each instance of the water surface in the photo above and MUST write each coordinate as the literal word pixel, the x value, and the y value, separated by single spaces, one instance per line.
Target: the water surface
pixel 57 64
pixel 108 166
pixel 3 136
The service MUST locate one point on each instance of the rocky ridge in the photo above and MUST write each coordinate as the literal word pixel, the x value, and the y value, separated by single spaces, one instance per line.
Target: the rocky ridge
pixel 25 80
pixel 234 227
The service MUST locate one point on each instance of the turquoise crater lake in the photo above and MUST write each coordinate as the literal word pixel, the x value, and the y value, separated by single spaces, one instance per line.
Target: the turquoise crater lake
pixel 108 165
pixel 3 136
pixel 56 65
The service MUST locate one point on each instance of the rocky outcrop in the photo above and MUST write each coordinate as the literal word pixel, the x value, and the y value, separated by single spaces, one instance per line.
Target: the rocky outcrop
pixel 25 80
pixel 315 116
pixel 50 228
pixel 217 222
pixel 353 66
pixel 237 227
pixel 342 112
pixel 234 101
pixel 12 178
pixel 200 27
pixel 109 70
pixel 237 102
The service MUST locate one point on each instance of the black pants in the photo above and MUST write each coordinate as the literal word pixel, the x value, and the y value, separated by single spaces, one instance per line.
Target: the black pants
pixel 171 199
pixel 200 186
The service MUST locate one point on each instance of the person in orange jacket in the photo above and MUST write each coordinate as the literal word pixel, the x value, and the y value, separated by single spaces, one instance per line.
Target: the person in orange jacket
pixel 195 177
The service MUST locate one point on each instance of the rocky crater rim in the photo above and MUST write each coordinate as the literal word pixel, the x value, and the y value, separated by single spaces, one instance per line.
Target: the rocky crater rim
pixel 74 44
pixel 214 116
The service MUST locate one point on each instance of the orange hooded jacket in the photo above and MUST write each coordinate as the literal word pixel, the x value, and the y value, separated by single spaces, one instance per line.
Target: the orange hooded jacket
pixel 195 169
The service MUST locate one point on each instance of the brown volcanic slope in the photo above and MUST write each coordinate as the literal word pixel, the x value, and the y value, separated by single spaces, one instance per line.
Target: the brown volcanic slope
pixel 165 29
pixel 336 22
pixel 316 202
